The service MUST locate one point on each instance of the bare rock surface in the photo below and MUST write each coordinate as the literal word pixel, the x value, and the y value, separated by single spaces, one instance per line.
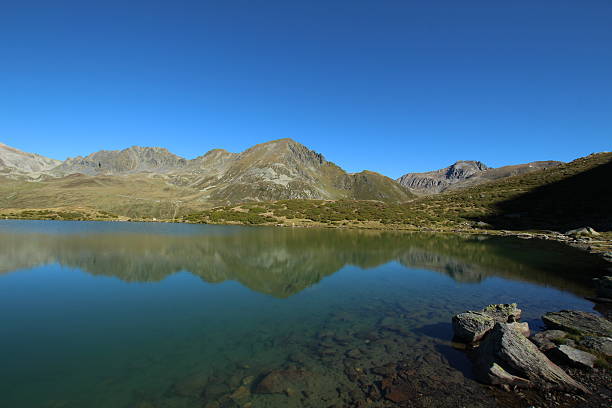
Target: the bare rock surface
pixel 522 328
pixel 578 322
pixel 507 357
pixel 565 354
pixel 602 345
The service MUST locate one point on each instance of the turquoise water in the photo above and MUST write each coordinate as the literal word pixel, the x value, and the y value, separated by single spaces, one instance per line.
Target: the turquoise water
pixel 98 314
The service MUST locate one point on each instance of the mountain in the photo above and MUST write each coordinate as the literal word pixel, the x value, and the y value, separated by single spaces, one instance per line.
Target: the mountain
pixel 281 169
pixel 465 173
pixel 560 198
pixel 152 182
pixel 16 163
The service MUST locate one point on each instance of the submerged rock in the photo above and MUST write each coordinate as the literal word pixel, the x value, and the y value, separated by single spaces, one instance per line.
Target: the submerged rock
pixel 190 386
pixel 507 357
pixel 578 322
pixel 565 354
pixel 279 381
pixel 241 393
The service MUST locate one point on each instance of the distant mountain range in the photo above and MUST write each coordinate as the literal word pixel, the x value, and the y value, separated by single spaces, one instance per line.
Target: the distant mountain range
pixel 280 169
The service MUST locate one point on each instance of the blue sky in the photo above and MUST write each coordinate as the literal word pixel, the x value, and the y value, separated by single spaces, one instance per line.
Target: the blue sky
pixel 391 86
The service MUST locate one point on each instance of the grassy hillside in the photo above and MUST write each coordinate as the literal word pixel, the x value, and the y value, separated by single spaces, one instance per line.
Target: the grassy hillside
pixel 129 196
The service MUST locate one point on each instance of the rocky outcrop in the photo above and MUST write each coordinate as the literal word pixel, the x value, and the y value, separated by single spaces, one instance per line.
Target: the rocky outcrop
pixel 507 357
pixel 578 322
pixel 439 180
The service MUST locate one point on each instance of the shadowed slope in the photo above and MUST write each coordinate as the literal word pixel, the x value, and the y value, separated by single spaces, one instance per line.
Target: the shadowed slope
pixel 574 195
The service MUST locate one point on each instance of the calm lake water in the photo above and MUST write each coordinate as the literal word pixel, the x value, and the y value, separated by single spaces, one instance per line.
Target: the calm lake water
pixel 97 314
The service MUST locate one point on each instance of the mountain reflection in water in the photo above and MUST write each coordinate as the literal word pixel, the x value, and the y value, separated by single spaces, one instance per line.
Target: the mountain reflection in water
pixel 282 262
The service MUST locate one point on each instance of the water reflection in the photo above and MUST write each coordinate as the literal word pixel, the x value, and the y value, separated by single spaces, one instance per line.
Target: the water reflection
pixel 282 262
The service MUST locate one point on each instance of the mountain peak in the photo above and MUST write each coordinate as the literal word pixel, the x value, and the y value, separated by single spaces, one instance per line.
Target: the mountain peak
pixel 464 168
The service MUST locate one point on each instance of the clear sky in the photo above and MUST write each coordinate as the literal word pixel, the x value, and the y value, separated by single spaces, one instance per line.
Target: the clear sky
pixel 385 85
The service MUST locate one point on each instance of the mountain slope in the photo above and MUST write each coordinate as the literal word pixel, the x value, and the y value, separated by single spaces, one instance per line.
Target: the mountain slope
pixel 285 169
pixel 14 162
pixel 465 173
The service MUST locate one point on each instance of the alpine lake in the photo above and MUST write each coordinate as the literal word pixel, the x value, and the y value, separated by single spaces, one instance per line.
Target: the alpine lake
pixel 151 315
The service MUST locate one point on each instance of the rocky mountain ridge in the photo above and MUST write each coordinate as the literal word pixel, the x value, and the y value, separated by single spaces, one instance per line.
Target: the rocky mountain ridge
pixel 280 169
pixel 134 159
pixel 465 173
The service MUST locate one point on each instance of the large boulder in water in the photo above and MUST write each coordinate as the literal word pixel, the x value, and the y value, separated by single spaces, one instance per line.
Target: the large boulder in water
pixel 471 326
pixel 507 357
pixel 578 322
